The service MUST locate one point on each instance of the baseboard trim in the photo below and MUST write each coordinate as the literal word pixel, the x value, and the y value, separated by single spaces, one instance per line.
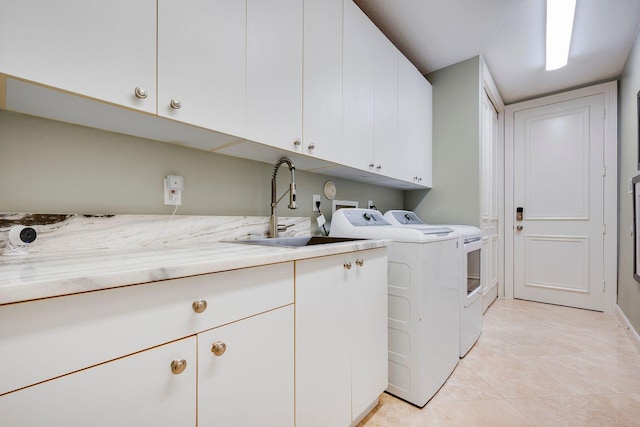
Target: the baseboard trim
pixel 631 331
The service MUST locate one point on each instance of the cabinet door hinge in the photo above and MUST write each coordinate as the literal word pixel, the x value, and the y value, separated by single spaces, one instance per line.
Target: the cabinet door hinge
pixel 604 228
pixel 604 113
pixel 604 171
pixel 604 285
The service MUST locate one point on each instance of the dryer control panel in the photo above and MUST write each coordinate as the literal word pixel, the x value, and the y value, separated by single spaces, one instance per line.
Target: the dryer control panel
pixel 406 217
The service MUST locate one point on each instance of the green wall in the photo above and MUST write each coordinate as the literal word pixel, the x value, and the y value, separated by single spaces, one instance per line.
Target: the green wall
pixel 628 288
pixel 54 167
pixel 455 196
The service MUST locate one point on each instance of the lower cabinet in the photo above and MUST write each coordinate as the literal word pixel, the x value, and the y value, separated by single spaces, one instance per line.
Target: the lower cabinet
pixel 231 364
pixel 245 372
pixel 137 390
pixel 341 337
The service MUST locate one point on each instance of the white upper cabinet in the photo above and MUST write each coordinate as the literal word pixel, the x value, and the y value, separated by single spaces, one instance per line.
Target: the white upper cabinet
pixel 358 83
pixel 274 72
pixel 385 132
pixel 101 49
pixel 314 77
pixel 322 95
pixel 202 63
pixel 414 125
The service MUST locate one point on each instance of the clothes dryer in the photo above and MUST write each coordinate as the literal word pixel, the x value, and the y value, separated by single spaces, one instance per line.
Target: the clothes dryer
pixel 470 241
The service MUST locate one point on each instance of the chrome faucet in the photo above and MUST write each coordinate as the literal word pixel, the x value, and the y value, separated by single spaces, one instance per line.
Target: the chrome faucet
pixel 273 220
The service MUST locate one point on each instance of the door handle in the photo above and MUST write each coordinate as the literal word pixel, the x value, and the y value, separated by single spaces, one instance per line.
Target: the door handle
pixel 519 227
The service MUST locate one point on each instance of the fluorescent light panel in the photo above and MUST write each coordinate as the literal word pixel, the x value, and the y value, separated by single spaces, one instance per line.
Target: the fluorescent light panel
pixel 560 15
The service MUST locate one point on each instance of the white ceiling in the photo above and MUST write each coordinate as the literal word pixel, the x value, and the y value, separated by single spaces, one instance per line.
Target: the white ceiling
pixel 510 36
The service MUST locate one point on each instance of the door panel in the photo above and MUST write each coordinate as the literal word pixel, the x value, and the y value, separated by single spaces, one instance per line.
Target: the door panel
pixel 557 143
pixel 558 245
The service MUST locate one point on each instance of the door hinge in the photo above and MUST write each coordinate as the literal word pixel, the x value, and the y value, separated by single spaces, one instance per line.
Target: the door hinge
pixel 604 285
pixel 604 113
pixel 604 228
pixel 604 171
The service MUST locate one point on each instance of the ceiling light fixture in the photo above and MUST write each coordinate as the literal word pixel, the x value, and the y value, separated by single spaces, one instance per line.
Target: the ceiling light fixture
pixel 560 15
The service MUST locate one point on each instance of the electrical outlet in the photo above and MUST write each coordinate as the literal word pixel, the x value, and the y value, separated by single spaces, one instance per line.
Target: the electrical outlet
pixel 316 198
pixel 173 186
pixel 370 204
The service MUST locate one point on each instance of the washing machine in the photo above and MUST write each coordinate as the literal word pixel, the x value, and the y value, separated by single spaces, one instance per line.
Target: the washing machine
pixel 423 298
pixel 470 241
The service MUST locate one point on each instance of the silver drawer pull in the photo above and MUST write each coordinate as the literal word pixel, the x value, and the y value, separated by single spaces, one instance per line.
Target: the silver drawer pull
pixel 140 92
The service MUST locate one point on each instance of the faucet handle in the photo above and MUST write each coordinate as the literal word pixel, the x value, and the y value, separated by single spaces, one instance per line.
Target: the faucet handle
pixel 284 227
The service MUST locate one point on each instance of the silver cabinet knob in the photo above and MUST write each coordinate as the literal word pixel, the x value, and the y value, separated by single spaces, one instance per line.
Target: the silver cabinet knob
pixel 297 142
pixel 371 165
pixel 218 348
pixel 175 104
pixel 178 366
pixel 199 305
pixel 311 146
pixel 519 227
pixel 379 167
pixel 347 265
pixel 140 93
pixel 359 262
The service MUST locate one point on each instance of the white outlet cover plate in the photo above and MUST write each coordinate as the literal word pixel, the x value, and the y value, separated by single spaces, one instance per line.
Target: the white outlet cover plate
pixel 171 197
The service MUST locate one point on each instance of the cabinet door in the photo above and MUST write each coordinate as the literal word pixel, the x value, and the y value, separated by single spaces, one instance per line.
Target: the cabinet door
pixel 322 95
pixel 414 131
pixel 138 390
pixel 251 382
pixel 369 365
pixel 385 137
pixel 323 341
pixel 202 63
pixel 358 98
pixel 101 49
pixel 274 72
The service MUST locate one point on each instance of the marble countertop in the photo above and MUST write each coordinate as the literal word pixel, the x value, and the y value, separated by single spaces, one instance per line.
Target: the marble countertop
pixel 48 274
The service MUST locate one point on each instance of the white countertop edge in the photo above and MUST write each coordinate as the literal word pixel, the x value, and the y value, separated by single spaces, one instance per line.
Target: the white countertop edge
pixel 172 263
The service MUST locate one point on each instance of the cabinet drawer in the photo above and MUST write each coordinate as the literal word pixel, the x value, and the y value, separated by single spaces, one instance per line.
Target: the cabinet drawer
pixel 47 338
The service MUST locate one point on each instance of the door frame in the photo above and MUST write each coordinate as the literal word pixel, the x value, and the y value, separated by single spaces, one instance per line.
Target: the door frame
pixel 610 92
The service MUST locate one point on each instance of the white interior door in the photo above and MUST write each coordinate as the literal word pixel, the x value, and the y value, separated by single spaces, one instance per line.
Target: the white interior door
pixel 490 217
pixel 559 183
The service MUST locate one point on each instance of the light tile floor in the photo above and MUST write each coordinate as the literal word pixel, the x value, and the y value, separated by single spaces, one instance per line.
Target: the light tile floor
pixel 534 365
